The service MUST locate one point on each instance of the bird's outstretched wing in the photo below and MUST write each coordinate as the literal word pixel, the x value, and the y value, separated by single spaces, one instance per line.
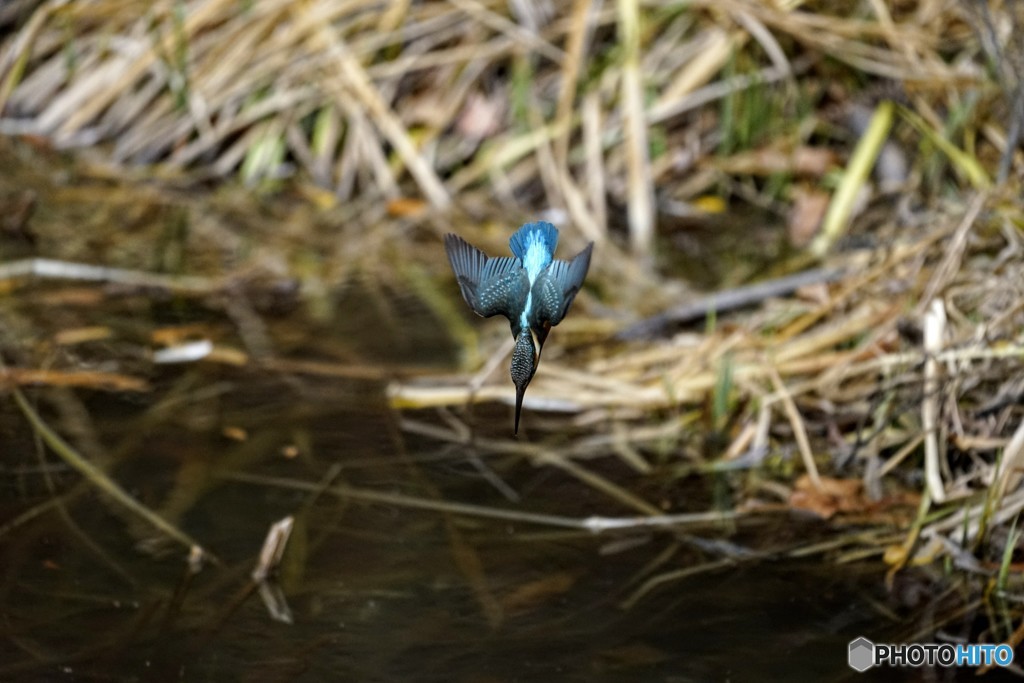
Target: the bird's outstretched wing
pixel 489 285
pixel 556 288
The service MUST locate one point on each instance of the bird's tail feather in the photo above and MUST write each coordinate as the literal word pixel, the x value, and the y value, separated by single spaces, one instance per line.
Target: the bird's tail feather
pixel 521 239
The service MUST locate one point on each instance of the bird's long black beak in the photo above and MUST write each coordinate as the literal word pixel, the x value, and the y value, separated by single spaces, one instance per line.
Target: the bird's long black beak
pixel 520 392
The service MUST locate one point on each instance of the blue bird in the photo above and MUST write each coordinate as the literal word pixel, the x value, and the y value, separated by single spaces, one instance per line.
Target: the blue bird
pixel 533 290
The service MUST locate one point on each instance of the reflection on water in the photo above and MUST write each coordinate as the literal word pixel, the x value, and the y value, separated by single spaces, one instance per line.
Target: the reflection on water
pixel 384 594
pixel 377 591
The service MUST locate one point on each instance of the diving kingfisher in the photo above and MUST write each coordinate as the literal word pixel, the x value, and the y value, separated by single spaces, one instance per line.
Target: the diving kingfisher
pixel 533 290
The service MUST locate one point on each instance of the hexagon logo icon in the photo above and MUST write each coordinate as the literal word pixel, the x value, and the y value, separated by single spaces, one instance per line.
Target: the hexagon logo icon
pixel 862 654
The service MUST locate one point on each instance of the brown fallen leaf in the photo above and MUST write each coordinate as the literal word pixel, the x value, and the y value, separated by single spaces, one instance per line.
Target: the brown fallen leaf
pixel 406 207
pixel 806 215
pixel 835 495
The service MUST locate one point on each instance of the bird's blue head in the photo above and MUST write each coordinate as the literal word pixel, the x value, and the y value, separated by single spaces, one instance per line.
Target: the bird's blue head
pixel 524 364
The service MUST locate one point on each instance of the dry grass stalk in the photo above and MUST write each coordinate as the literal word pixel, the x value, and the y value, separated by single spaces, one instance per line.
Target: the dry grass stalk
pixel 641 191
pixel 410 100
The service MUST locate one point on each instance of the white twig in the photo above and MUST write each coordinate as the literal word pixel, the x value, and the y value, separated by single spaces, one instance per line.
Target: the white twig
pixel 934 331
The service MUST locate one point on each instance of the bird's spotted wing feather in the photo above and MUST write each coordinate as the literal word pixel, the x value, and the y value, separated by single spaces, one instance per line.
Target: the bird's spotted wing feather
pixel 489 285
pixel 555 290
